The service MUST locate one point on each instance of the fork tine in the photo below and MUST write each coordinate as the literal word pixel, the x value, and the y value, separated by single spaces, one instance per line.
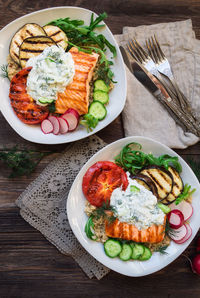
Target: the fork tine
pixel 140 49
pixel 156 49
pixel 159 48
pixel 151 50
pixel 133 52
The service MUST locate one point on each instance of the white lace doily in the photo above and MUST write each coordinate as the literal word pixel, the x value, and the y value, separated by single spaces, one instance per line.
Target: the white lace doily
pixel 43 203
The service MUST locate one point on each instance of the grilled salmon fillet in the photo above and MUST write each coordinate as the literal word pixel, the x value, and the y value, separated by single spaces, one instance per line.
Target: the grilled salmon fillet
pixel 76 94
pixel 122 230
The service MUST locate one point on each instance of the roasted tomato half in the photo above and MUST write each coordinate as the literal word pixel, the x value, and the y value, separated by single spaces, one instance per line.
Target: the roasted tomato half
pixel 23 105
pixel 100 180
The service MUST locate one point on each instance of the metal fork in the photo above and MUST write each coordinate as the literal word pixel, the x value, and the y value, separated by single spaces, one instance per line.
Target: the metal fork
pixel 140 55
pixel 164 68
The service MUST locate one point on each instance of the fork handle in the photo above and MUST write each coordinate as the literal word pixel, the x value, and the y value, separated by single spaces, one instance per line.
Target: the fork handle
pixel 178 115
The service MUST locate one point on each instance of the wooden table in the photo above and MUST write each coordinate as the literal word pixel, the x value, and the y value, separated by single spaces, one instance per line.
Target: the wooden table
pixel 29 265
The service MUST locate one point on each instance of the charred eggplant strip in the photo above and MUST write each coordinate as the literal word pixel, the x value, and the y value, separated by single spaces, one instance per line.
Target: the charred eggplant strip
pixel 177 187
pixel 33 46
pixel 57 34
pixel 162 178
pixel 147 182
pixel 28 30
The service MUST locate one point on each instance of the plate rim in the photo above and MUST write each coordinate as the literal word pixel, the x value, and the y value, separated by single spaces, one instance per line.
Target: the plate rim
pixel 85 245
pixel 97 129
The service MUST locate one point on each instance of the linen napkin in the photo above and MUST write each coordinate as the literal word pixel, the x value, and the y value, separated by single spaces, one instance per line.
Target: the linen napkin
pixel 43 203
pixel 143 114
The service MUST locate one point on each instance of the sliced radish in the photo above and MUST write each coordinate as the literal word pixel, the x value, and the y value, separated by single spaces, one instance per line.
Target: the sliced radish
pixel 185 207
pixel 179 234
pixel 72 117
pixel 55 123
pixel 175 218
pixel 187 236
pixel 64 126
pixel 46 126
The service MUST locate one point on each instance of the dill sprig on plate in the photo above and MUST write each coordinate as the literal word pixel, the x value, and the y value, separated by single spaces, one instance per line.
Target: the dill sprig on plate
pixel 162 249
pixel 102 212
pixel 4 71
pixel 21 162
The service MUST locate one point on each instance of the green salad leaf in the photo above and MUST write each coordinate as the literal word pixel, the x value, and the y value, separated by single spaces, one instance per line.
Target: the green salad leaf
pixel 89 121
pixel 131 158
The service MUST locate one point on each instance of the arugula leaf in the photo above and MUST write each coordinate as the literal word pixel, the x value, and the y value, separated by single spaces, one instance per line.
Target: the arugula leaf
pixel 186 193
pixel 52 107
pixel 89 121
pixel 135 160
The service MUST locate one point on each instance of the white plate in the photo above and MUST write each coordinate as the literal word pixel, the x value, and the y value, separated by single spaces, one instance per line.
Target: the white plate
pixel 117 95
pixel 77 217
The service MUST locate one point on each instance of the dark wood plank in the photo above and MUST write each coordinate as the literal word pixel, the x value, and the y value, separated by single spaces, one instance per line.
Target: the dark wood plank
pixel 29 265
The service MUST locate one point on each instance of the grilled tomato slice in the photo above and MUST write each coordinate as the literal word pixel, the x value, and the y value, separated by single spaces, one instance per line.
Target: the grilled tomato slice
pixel 23 105
pixel 100 180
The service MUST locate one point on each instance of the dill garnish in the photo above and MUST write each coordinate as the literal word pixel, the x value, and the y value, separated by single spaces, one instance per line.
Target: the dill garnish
pixel 21 162
pixel 4 71
pixel 162 249
pixel 103 211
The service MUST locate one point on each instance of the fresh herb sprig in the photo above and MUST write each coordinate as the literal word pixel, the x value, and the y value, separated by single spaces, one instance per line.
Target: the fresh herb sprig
pixel 89 121
pixel 162 249
pixel 186 193
pixel 4 71
pixel 21 162
pixel 134 160
pixel 103 212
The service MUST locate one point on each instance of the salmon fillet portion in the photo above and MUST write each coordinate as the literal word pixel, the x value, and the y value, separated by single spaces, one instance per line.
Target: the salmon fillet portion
pixel 117 229
pixel 76 94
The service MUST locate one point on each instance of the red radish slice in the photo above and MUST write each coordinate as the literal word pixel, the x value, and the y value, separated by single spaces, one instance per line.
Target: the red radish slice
pixel 175 218
pixel 64 126
pixel 185 207
pixel 46 126
pixel 187 236
pixel 55 123
pixel 179 234
pixel 72 117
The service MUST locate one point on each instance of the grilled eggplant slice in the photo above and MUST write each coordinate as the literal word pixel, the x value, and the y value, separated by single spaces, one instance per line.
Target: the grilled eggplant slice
pixel 24 32
pixel 162 178
pixel 177 187
pixel 33 46
pixel 57 35
pixel 147 183
pixel 13 68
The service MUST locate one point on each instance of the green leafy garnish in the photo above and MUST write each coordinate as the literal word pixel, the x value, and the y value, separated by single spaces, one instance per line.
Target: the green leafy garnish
pixel 89 121
pixel 195 165
pixel 89 229
pixel 162 249
pixel 103 212
pixel 21 162
pixel 134 160
pixel 166 209
pixel 186 193
pixel 52 107
pixel 4 71
pixel 134 188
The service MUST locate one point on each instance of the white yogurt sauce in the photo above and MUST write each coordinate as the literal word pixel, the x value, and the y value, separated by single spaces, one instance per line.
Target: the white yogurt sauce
pixel 51 72
pixel 136 205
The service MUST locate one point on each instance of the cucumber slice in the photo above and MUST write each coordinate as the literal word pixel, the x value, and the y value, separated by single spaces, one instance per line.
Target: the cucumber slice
pixel 45 100
pixel 97 110
pixel 146 255
pixel 126 252
pixel 138 251
pixel 101 96
pixel 101 85
pixel 112 248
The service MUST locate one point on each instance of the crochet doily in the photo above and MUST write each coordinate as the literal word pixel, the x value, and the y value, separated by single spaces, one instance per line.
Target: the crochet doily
pixel 43 203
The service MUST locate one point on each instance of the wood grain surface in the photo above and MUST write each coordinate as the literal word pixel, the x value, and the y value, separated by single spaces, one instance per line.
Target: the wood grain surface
pixel 30 266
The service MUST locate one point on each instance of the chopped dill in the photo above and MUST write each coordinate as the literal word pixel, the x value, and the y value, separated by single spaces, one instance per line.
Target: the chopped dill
pixel 4 71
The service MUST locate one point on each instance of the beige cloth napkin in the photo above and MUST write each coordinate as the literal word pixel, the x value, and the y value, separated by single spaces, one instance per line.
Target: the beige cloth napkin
pixel 43 203
pixel 143 114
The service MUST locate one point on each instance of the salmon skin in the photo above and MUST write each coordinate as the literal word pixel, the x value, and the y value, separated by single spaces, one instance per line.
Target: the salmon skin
pixel 122 230
pixel 76 94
